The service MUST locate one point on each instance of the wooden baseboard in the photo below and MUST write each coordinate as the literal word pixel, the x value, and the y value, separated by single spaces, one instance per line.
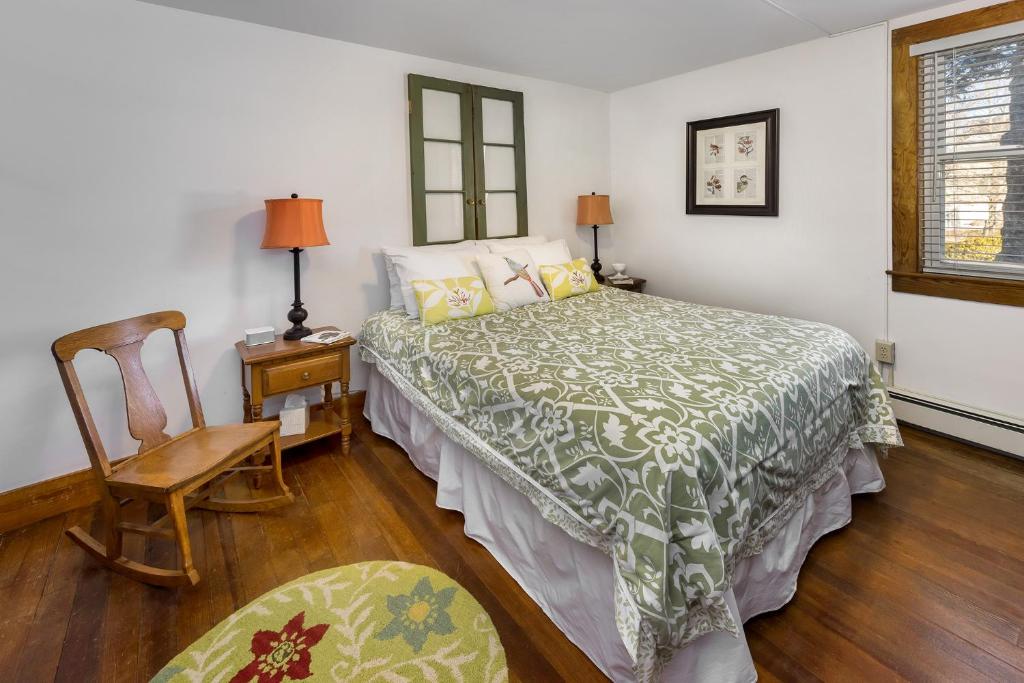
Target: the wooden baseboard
pixel 21 507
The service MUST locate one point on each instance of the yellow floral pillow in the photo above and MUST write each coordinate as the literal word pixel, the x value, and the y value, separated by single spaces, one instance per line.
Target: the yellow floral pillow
pixel 568 279
pixel 451 298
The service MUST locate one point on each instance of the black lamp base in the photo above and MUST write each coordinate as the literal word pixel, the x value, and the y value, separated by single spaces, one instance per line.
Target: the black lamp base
pixel 298 314
pixel 596 265
pixel 296 332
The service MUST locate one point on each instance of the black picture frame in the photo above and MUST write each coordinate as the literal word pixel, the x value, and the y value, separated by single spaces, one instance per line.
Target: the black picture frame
pixel 770 207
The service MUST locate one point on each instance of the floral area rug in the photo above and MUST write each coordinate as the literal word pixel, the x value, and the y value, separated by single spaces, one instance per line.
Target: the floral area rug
pixel 372 621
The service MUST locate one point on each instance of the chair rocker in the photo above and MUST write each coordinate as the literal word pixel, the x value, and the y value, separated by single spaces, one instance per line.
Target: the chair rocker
pixel 181 472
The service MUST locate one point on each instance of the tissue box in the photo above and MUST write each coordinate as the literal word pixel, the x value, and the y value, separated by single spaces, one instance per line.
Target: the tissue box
pixel 294 416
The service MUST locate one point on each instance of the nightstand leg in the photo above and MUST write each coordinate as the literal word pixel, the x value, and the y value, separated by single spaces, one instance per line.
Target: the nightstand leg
pixel 346 423
pixel 256 409
pixel 246 399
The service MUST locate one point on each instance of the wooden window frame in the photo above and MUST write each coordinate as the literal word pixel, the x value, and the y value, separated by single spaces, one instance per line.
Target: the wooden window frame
pixel 907 274
pixel 473 180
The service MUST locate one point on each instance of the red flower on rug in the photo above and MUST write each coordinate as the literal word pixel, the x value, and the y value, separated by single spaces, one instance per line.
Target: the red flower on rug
pixel 283 654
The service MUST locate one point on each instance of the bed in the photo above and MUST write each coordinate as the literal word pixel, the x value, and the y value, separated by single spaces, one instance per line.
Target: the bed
pixel 652 472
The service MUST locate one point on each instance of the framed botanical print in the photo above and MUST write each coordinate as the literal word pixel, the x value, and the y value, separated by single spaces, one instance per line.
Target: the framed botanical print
pixel 732 165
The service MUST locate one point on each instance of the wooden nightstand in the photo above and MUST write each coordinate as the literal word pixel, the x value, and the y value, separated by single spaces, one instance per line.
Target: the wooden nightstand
pixel 636 286
pixel 286 366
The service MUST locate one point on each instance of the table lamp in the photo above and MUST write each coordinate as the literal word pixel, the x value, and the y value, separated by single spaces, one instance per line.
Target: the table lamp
pixel 294 224
pixel 595 210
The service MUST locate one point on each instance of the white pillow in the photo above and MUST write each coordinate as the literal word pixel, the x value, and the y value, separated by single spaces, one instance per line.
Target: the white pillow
pixel 430 266
pixel 548 254
pixel 395 283
pixel 518 241
pixel 512 279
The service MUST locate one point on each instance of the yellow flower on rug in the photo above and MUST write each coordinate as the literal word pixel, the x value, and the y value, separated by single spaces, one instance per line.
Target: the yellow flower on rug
pixel 384 621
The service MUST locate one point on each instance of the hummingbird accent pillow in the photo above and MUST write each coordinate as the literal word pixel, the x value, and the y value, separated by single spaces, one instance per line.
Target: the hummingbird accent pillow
pixel 568 279
pixel 451 299
pixel 512 279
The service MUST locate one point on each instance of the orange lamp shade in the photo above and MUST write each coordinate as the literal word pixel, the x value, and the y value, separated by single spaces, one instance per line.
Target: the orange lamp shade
pixel 593 209
pixel 294 222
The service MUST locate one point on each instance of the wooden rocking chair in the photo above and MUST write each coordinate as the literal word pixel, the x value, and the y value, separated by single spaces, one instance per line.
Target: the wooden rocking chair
pixel 180 472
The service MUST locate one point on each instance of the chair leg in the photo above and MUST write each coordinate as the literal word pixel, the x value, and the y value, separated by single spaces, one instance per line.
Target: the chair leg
pixel 259 458
pixel 115 537
pixel 275 454
pixel 176 511
pixel 111 554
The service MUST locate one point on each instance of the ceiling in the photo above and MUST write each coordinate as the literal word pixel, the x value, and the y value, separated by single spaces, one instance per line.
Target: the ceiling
pixel 601 44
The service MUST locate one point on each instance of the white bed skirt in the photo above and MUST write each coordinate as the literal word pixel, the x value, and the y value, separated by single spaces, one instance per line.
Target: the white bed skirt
pixel 571 581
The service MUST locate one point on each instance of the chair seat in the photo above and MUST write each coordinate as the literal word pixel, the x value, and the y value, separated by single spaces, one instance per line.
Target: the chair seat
pixel 194 456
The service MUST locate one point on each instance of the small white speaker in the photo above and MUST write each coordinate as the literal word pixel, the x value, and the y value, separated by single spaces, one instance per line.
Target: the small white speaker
pixel 259 335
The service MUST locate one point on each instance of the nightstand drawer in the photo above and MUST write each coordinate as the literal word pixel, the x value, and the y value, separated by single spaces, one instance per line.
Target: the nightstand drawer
pixel 301 373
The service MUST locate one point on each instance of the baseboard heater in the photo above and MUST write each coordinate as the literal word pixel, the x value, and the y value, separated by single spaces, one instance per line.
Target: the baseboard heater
pixel 959 412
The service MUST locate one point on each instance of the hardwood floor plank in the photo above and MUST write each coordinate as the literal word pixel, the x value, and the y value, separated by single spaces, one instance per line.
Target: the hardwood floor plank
pixel 765 675
pixel 222 582
pixel 956 455
pixel 194 615
pixel 400 538
pixel 912 651
pixel 80 656
pixel 300 520
pixel 285 556
pixel 39 657
pixel 956 611
pixel 120 642
pixel 968 476
pixel 352 534
pixel 923 547
pixel 158 636
pixel 16 544
pixel 926 583
pixel 256 573
pixel 772 660
pixel 48 622
pixel 930 494
pixel 871 576
pixel 32 554
pixel 821 651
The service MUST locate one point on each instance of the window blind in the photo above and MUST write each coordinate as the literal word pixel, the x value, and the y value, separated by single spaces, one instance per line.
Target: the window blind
pixel 971 165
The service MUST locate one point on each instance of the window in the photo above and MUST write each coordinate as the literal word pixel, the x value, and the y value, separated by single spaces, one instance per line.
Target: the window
pixel 971 173
pixel 468 161
pixel 958 156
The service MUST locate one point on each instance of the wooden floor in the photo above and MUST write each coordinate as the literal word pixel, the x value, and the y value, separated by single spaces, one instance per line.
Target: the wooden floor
pixel 927 583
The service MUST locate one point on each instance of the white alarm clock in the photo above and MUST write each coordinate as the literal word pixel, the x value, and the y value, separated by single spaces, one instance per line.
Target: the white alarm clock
pixel 259 335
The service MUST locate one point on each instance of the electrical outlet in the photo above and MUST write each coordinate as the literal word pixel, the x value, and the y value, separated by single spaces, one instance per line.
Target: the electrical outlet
pixel 885 351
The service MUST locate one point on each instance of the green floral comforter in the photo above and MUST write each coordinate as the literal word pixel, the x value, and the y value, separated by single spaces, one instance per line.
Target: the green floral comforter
pixel 678 438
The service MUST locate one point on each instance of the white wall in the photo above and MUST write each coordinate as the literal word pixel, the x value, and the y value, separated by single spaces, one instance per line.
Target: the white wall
pixel 823 257
pixel 137 144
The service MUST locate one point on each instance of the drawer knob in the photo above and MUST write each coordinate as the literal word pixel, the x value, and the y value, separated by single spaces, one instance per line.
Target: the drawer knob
pixel 305 375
